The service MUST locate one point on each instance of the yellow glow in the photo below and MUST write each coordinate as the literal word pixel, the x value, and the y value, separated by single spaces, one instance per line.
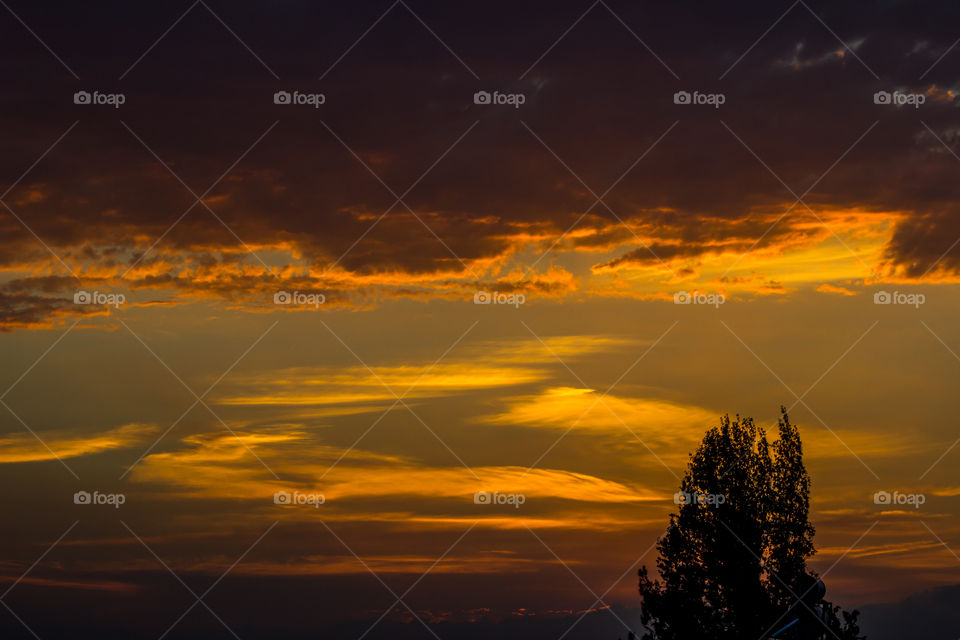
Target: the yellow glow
pixel 357 384
pixel 565 407
pixel 219 466
pixel 26 448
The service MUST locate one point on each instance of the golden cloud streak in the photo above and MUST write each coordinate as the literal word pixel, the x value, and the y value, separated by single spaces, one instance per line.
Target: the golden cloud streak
pixel 562 407
pixel 26 448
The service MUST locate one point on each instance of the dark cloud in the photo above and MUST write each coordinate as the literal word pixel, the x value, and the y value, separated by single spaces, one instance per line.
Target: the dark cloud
pixel 27 311
pixel 482 180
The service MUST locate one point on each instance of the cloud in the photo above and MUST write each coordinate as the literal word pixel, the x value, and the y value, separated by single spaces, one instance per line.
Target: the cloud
pixel 356 385
pixel 26 448
pixel 470 367
pixel 568 407
pixel 66 583
pixel 380 564
pixel 486 198
pixel 829 288
pixel 219 467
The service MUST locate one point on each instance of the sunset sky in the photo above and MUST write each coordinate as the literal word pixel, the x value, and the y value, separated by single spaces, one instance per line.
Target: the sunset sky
pixel 283 298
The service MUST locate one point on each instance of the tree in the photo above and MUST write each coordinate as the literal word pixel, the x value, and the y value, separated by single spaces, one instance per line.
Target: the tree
pixel 733 562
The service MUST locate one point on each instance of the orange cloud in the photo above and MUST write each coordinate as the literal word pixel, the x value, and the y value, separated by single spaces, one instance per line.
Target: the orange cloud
pixel 26 448
pixel 566 407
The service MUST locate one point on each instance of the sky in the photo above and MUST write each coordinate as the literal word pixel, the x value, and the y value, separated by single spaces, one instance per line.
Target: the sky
pixel 402 318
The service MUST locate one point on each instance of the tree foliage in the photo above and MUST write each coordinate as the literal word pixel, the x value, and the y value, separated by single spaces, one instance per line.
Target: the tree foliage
pixel 733 562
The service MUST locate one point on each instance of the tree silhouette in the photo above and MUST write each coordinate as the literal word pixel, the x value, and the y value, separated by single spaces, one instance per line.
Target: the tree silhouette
pixel 733 562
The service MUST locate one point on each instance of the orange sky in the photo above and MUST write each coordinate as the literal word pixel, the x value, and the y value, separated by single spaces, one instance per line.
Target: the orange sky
pixel 382 306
